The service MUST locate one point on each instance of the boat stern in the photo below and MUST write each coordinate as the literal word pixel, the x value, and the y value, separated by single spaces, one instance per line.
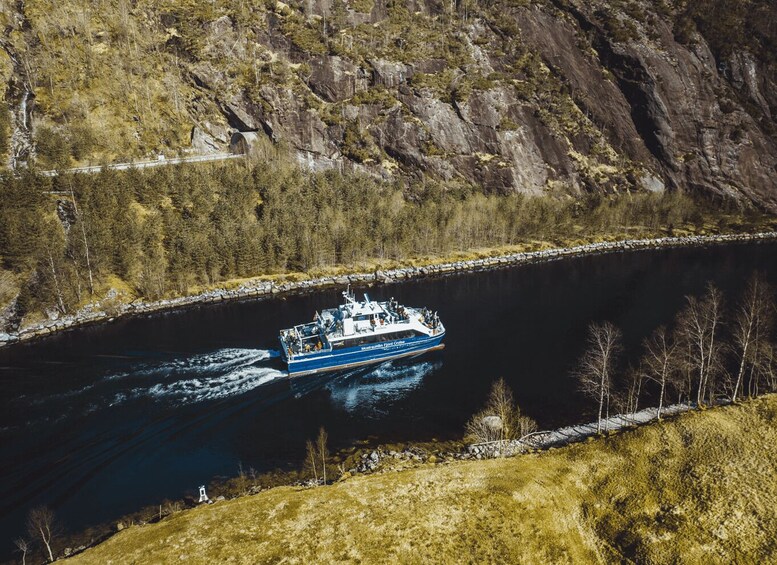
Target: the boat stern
pixel 284 347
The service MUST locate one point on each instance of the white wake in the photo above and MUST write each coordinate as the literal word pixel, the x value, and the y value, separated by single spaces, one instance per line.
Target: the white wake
pixel 208 376
pixel 219 360
pixel 238 381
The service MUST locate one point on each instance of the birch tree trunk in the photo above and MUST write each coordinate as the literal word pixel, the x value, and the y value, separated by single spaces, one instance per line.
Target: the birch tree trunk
pixel 753 315
pixel 698 326
pixel 57 289
pixel 594 372
pixel 660 362
pixel 81 221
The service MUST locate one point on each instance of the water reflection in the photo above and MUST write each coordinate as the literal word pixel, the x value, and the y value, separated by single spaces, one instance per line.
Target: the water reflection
pixel 372 392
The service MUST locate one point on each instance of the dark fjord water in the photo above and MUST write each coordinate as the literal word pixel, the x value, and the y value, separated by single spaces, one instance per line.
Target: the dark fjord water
pixel 99 422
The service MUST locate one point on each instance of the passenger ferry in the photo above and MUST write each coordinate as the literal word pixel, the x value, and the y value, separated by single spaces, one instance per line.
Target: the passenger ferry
pixel 359 333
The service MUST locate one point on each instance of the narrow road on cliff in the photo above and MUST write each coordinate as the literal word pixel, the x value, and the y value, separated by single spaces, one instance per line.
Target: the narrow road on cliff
pixel 160 162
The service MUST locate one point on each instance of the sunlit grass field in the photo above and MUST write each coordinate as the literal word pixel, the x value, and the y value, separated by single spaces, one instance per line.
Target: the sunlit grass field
pixel 698 489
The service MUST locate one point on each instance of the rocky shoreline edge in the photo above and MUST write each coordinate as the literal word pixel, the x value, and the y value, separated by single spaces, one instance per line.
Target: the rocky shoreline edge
pixel 94 313
pixel 537 441
pixel 383 458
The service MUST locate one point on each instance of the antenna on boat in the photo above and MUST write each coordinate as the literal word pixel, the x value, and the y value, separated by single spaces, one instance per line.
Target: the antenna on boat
pixel 348 295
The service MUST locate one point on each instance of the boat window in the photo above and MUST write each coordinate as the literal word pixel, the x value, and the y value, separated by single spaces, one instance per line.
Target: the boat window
pixel 379 338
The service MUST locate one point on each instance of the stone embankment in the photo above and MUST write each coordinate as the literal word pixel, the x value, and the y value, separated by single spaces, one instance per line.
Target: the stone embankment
pixel 380 458
pixel 572 434
pixel 262 289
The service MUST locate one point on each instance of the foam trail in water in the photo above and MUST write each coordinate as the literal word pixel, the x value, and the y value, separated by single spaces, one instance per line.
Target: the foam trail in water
pixel 238 381
pixel 207 376
pixel 385 383
pixel 219 360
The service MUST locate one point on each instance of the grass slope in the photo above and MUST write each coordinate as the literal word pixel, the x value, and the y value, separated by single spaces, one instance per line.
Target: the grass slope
pixel 697 489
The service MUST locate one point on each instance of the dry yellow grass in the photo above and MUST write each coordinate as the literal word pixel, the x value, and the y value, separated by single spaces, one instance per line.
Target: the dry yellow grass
pixel 699 489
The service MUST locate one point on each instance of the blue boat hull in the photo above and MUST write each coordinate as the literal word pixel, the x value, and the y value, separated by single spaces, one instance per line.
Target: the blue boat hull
pixel 363 355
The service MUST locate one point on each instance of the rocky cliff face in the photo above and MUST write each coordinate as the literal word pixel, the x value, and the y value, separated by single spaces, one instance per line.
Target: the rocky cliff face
pixel 556 96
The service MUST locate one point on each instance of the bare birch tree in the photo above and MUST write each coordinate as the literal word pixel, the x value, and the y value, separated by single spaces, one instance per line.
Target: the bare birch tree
pixel 311 459
pixel 81 221
pixel 627 401
pixel 770 367
pixel 752 326
pixel 747 316
pixel 40 524
pixel 596 366
pixel 712 309
pixel 501 419
pixel 316 454
pixel 57 288
pixel 22 546
pixel 322 450
pixel 698 327
pixel 501 405
pixel 526 425
pixel 659 362
pixel 762 367
pixel 685 357
pixel 494 422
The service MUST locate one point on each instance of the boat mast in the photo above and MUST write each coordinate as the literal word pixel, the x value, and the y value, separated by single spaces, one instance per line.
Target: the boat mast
pixel 350 297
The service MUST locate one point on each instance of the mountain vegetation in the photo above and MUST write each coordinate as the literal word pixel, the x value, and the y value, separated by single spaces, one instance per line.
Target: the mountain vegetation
pixel 506 95
pixel 386 131
pixel 392 131
pixel 70 240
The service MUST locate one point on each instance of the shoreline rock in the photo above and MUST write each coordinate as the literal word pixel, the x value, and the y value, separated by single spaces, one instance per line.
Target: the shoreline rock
pixel 576 433
pixel 264 289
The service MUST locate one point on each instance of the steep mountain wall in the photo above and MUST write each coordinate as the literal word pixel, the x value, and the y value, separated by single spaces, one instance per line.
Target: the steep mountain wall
pixel 559 96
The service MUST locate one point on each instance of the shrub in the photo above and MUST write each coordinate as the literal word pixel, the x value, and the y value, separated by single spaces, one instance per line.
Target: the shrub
pixel 5 131
pixel 82 141
pixel 53 148
pixel 357 145
pixel 362 6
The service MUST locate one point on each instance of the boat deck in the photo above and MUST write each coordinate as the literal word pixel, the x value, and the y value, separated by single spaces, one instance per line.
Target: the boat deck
pixel 357 324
